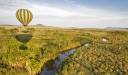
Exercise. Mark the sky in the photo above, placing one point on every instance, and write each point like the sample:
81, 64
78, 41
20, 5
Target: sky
68, 13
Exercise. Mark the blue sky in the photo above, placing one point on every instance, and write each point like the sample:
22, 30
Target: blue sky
69, 13
103, 4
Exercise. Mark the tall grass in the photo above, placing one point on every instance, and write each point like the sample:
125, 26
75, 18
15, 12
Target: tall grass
45, 44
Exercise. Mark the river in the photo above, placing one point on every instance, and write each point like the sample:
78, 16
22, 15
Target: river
47, 70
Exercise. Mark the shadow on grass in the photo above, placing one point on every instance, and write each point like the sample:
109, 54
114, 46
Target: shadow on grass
24, 39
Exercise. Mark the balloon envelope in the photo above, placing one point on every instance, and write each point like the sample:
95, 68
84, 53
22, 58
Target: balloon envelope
24, 16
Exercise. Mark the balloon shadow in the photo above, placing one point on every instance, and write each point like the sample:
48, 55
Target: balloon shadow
24, 39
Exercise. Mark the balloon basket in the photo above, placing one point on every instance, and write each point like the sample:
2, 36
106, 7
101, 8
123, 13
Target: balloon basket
23, 47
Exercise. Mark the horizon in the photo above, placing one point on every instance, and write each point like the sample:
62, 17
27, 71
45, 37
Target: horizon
64, 27
69, 13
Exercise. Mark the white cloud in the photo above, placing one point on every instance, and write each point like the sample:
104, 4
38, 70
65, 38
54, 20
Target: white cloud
50, 11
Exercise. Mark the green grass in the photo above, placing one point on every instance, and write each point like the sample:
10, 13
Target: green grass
23, 54
99, 58
26, 54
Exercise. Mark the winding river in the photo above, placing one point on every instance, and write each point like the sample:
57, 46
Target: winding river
52, 66
47, 70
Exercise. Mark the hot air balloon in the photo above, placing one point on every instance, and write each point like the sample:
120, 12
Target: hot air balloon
23, 35
24, 16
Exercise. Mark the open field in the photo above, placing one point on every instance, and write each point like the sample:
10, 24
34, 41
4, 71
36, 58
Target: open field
99, 57
25, 54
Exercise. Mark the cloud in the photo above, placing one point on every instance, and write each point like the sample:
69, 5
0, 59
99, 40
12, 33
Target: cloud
13, 4
50, 11
76, 16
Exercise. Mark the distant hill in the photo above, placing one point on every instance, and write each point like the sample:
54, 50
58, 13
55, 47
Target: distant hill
7, 25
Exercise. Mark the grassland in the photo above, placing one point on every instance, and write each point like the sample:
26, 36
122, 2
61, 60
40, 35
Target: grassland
109, 57
26, 54
23, 54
